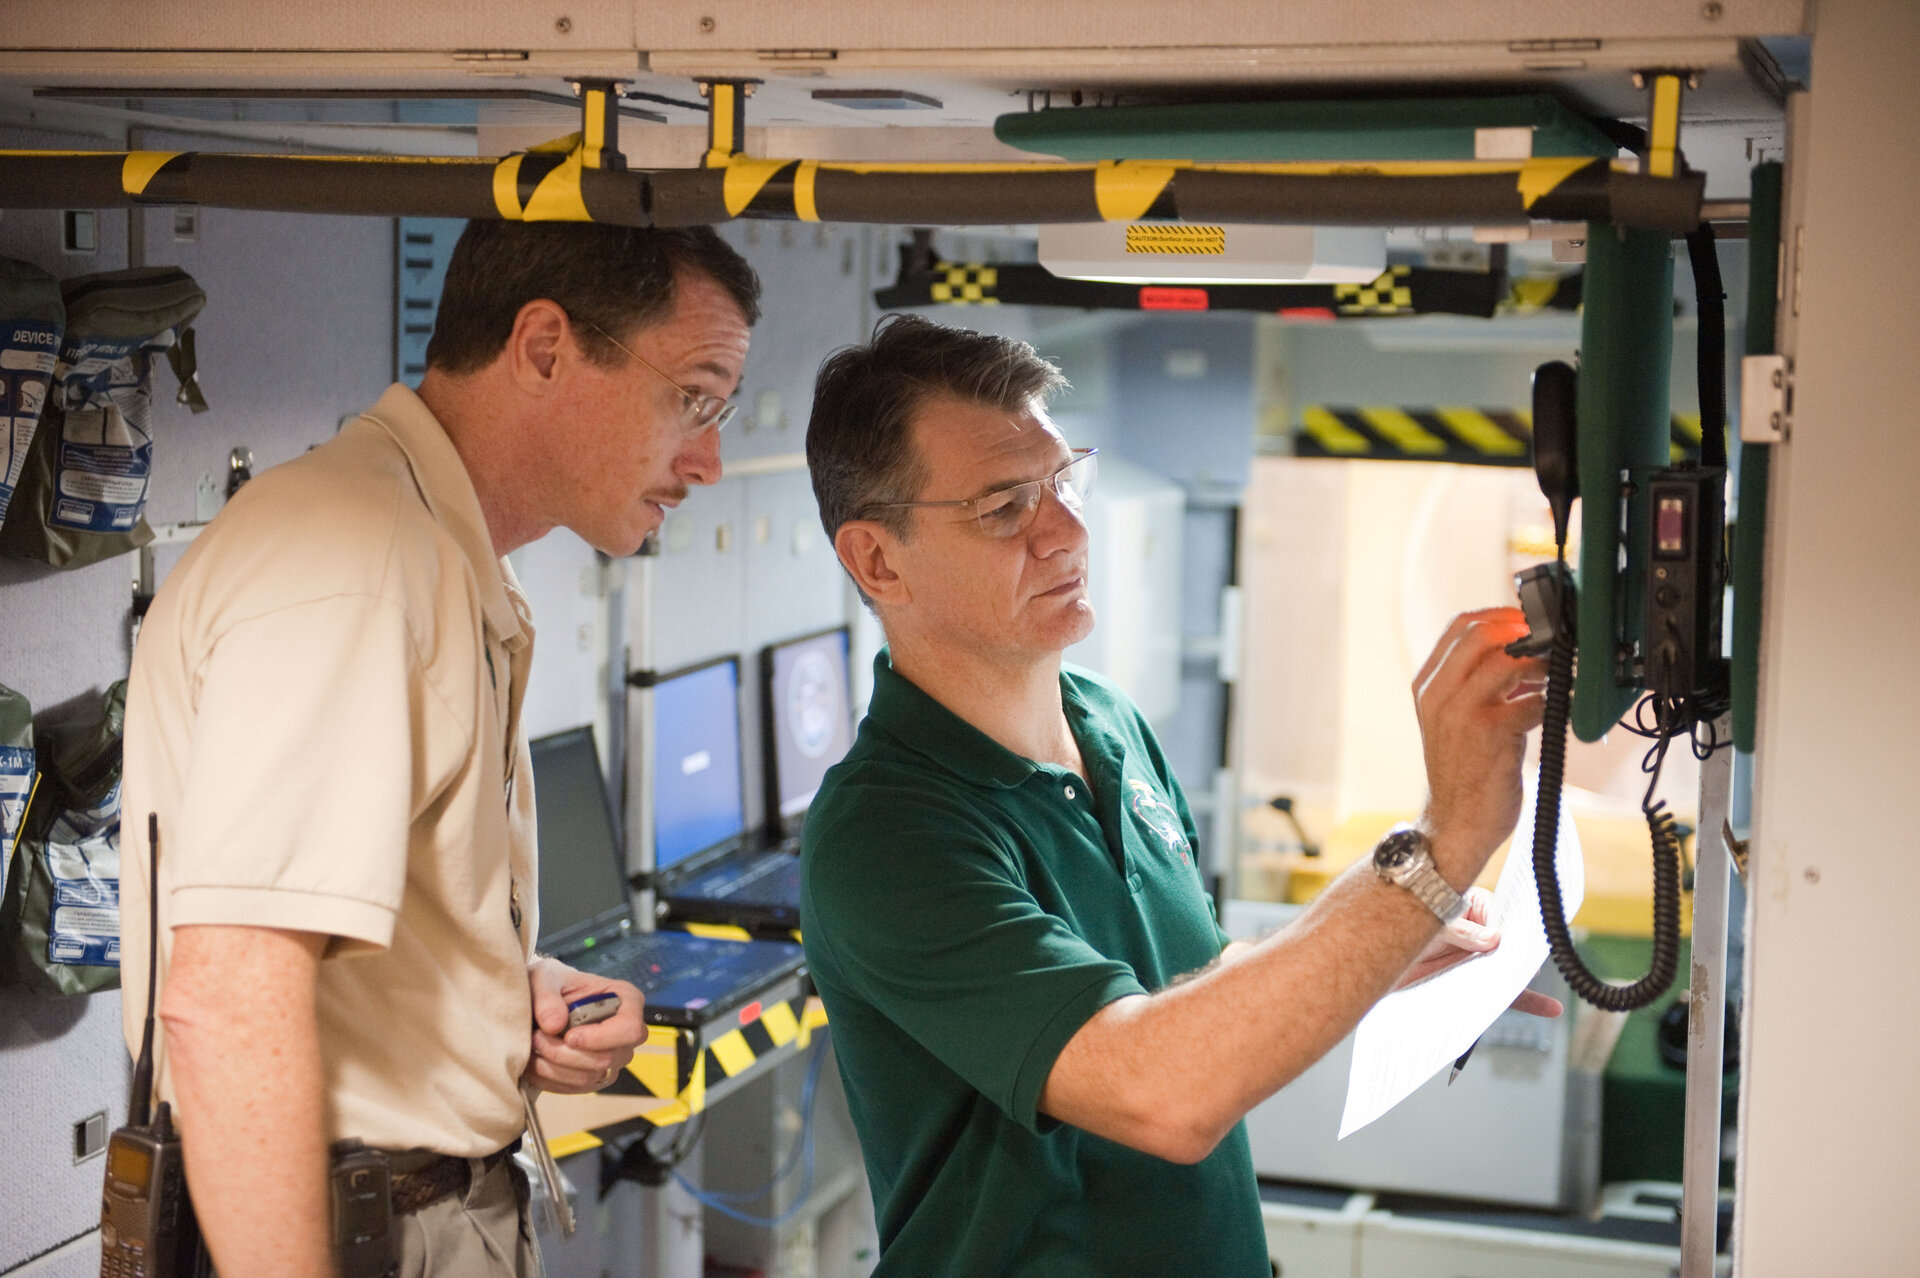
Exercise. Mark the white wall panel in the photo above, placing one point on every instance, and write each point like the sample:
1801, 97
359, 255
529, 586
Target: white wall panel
1829, 1112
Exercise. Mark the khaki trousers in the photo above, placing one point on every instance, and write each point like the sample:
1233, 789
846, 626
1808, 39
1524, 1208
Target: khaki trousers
485, 1231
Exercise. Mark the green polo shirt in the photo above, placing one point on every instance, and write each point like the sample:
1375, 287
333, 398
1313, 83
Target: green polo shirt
967, 910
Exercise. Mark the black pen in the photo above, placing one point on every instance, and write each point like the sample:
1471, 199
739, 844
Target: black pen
1462, 1062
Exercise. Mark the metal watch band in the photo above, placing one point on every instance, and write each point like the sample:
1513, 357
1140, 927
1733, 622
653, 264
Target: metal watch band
1404, 857
1434, 892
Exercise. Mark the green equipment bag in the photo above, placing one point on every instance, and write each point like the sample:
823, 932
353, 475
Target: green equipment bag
82, 497
16, 774
32, 318
60, 923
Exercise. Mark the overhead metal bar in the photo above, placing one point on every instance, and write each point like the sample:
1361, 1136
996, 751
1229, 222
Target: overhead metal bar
559, 185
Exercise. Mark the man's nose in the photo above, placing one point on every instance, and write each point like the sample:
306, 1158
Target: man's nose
1059, 525
698, 461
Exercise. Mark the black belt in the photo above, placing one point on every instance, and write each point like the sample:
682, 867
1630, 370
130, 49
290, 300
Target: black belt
437, 1176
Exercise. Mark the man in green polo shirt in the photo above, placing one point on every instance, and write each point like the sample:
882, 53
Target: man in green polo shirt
1046, 1041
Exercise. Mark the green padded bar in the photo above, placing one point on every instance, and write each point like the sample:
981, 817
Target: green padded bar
1626, 353
1756, 460
1394, 129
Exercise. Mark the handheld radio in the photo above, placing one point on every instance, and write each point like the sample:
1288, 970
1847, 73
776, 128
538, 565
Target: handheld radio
147, 1228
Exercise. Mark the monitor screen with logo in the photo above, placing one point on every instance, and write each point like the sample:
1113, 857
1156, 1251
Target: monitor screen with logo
696, 764
809, 717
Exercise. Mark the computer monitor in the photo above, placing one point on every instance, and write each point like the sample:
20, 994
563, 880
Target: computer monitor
809, 719
581, 885
697, 801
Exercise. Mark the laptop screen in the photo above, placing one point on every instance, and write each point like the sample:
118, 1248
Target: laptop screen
809, 716
697, 802
582, 888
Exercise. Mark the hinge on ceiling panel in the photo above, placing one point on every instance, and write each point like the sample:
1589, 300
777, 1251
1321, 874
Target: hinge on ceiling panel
489, 55
1766, 399
796, 55
1552, 46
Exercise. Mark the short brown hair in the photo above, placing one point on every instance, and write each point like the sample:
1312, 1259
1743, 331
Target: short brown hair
860, 442
615, 278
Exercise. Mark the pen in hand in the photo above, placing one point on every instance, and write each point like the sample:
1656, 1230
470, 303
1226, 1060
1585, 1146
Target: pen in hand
1462, 1062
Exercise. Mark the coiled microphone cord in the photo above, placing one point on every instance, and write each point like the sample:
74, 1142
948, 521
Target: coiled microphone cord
1546, 837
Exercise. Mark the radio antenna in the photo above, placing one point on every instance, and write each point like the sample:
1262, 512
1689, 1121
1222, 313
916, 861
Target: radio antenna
139, 1103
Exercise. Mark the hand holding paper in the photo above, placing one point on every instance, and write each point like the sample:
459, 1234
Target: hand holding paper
1413, 1032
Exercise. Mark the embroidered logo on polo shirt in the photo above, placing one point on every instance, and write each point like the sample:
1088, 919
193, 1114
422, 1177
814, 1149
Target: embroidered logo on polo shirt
1159, 817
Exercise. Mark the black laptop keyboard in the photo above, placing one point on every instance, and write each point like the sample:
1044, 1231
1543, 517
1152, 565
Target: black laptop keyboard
677, 970
775, 878
658, 957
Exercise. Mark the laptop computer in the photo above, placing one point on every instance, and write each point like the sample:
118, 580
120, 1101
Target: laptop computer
747, 881
586, 919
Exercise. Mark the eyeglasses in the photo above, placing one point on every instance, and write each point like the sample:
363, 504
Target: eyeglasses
697, 411
1007, 512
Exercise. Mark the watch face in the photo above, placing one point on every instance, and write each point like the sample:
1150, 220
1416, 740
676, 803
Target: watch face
1397, 850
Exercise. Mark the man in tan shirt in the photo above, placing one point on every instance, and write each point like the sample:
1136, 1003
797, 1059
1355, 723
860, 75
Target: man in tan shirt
324, 716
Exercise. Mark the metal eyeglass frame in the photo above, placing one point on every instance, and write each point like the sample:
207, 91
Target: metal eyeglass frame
1081, 456
698, 412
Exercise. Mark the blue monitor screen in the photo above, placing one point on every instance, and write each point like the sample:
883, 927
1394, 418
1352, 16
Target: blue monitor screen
811, 715
696, 767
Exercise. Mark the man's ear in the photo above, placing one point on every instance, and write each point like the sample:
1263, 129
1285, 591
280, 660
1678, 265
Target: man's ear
871, 556
542, 335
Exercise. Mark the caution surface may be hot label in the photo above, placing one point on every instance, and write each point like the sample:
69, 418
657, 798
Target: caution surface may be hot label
1168, 237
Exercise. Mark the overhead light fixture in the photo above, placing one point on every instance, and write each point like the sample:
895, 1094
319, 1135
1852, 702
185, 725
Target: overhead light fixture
1186, 253
877, 99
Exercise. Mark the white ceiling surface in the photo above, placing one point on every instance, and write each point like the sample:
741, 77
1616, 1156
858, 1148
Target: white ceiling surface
979, 60
728, 27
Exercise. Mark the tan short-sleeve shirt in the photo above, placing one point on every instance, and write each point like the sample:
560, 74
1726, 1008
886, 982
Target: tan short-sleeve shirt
324, 716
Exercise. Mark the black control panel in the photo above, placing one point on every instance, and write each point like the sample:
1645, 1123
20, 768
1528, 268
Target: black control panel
1687, 510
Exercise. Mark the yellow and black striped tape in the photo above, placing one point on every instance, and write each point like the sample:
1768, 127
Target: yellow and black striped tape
1449, 433
666, 1068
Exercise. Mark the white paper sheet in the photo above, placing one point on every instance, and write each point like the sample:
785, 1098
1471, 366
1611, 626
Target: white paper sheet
1411, 1033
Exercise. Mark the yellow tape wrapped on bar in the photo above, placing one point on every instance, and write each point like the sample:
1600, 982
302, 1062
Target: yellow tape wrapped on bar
506, 188
803, 182
558, 197
743, 181
139, 167
1124, 190
1539, 177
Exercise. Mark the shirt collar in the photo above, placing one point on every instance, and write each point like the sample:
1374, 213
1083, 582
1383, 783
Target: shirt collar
448, 491
930, 729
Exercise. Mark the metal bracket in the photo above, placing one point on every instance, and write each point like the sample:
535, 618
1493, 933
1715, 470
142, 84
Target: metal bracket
1766, 399
726, 118
1664, 90
600, 124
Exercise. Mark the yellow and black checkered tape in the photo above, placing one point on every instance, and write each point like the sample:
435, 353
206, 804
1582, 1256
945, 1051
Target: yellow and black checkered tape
1450, 433
965, 283
1389, 294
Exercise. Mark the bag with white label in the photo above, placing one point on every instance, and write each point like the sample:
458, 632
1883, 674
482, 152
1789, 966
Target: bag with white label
60, 924
16, 774
83, 495
32, 318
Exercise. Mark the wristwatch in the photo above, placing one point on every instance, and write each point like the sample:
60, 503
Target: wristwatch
1405, 857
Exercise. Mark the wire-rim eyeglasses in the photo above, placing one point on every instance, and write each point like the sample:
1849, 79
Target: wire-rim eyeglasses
1007, 512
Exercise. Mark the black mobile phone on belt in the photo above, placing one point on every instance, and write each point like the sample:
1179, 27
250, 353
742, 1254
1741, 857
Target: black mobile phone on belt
365, 1243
